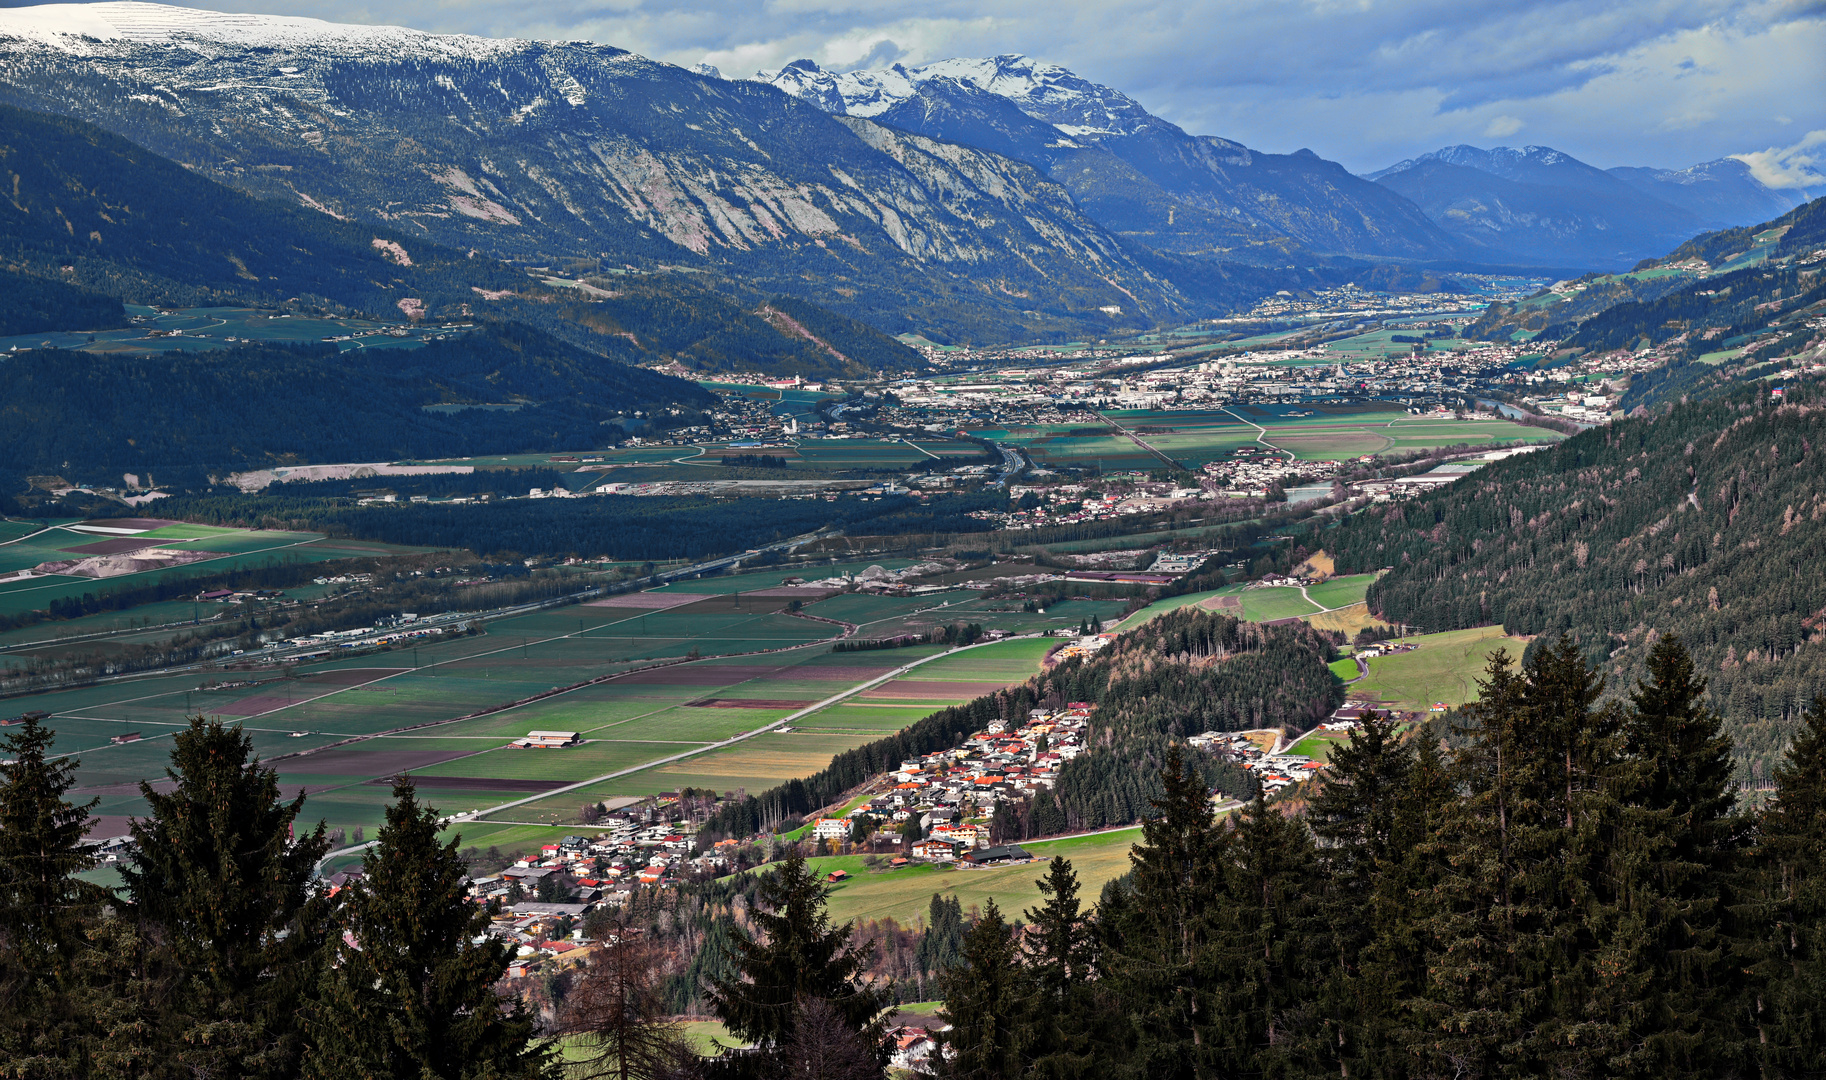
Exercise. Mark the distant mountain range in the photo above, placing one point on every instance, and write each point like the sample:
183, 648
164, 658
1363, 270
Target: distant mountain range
1538, 204
538, 151
1150, 181
989, 199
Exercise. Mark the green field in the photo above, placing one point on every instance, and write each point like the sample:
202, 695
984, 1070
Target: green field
1342, 591
1445, 668
905, 895
1309, 432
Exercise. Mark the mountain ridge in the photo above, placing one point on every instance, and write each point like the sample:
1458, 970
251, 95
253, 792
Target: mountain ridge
538, 151
1132, 171
1540, 203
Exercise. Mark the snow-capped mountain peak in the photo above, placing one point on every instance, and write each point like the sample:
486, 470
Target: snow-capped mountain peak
1044, 91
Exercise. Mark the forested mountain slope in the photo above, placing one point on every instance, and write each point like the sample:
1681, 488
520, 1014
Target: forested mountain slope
1708, 521
91, 217
1540, 205
1717, 290
178, 416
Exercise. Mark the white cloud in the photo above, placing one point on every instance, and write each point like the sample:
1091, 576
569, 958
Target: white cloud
1501, 127
1788, 166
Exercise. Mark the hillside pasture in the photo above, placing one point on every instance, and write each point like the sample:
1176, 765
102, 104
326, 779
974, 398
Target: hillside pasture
1445, 668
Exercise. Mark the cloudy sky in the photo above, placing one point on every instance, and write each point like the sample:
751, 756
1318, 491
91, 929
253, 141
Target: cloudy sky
1367, 82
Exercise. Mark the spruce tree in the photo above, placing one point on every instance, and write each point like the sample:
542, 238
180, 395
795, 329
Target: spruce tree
413, 997
987, 998
1157, 960
1374, 812
1057, 945
1262, 938
45, 908
942, 943
1059, 949
1672, 984
1792, 904
223, 891
1519, 933
798, 954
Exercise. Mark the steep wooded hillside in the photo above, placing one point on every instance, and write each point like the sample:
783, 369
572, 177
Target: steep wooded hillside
88, 208
1708, 521
178, 415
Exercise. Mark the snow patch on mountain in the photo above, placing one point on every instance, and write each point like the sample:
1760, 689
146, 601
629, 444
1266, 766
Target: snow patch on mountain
1044, 91
81, 28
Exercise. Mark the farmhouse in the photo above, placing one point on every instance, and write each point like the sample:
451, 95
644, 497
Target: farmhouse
548, 740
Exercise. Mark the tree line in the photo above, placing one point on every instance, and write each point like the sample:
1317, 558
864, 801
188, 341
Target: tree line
221, 955
1554, 885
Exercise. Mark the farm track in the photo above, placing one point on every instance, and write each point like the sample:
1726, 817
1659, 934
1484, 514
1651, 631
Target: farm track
1137, 440
1262, 437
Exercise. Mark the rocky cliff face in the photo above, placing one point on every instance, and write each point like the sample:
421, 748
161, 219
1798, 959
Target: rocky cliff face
540, 151
1131, 171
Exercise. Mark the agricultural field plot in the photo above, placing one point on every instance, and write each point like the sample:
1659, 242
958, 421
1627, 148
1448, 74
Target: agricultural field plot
771, 758
862, 718
1262, 604
1445, 668
1349, 620
1319, 745
1189, 437
1378, 344
1052, 445
567, 766
17, 530
655, 714
1173, 603
1321, 432
1341, 591
906, 894
174, 612
967, 674
18, 596
865, 609
753, 764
